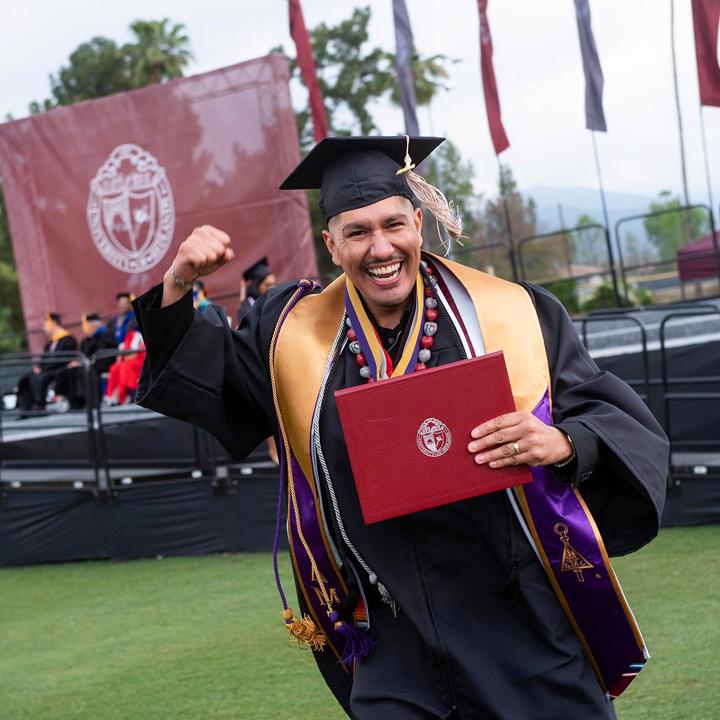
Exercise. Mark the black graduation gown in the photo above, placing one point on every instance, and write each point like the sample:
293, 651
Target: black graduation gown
479, 628
32, 388
75, 387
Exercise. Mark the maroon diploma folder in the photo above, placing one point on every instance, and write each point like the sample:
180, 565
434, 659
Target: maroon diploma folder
407, 437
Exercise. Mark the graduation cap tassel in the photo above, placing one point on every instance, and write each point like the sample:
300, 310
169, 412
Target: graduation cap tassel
436, 202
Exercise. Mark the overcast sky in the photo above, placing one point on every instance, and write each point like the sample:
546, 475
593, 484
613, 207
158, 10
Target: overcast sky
537, 65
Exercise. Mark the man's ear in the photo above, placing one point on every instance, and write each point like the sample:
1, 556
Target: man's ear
331, 246
418, 220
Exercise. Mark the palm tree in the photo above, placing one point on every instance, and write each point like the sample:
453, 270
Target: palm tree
160, 53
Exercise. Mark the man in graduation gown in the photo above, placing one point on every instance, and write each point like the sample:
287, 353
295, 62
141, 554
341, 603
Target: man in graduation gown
499, 607
258, 279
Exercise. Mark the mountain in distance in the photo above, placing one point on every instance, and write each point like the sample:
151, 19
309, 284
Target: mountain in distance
571, 203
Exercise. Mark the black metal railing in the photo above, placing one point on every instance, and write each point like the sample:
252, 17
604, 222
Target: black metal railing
106, 463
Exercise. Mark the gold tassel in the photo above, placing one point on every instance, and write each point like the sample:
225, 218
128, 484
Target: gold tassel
304, 631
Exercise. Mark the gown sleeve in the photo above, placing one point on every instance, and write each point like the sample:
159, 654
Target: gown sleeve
199, 370
622, 452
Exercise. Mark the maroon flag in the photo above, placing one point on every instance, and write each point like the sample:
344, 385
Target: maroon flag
307, 70
706, 15
492, 103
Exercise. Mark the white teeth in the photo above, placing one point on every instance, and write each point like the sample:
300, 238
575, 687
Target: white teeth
386, 271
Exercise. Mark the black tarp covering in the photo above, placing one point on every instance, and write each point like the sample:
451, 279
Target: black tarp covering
184, 517
169, 518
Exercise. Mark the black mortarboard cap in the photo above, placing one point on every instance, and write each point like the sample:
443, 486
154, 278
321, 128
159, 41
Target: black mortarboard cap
93, 317
353, 172
258, 272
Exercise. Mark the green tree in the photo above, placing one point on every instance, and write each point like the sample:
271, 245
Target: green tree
99, 67
352, 76
505, 220
96, 68
454, 176
589, 246
673, 227
160, 52
11, 317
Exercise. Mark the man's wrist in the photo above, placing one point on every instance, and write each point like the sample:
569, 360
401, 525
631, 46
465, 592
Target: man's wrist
179, 281
571, 457
172, 290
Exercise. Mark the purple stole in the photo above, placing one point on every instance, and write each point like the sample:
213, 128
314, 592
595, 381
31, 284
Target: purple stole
553, 514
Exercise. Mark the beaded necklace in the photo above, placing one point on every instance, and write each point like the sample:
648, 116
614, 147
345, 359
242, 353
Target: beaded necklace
412, 358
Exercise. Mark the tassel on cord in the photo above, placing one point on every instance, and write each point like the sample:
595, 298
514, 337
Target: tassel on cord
358, 643
304, 631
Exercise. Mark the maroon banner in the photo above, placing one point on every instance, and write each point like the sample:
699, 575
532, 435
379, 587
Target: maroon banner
306, 63
100, 194
706, 15
492, 102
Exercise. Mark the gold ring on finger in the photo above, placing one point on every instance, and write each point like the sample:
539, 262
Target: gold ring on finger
516, 448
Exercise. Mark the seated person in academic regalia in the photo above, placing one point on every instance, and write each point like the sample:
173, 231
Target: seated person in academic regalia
97, 338
124, 373
125, 318
504, 606
258, 279
33, 388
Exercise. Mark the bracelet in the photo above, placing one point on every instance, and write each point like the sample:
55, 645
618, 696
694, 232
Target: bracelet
182, 284
573, 455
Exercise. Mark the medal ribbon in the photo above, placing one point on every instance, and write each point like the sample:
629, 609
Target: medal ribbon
377, 359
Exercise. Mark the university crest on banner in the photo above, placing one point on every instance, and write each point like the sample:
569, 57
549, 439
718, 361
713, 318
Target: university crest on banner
130, 210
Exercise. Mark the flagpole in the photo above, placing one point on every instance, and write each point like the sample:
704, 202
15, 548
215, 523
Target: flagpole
600, 181
677, 102
606, 217
508, 225
707, 163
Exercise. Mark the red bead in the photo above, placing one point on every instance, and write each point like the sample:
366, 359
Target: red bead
426, 341
360, 359
429, 271
351, 335
431, 314
420, 366
428, 292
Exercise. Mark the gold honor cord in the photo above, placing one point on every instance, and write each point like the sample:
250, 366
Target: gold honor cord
304, 630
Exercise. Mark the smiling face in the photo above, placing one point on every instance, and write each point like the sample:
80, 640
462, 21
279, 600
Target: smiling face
378, 248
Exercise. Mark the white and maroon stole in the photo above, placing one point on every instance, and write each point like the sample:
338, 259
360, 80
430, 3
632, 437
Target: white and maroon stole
490, 314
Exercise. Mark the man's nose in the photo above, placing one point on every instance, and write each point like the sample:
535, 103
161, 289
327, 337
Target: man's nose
381, 245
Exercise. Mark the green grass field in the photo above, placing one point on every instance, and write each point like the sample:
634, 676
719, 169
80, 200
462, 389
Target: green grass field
202, 639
